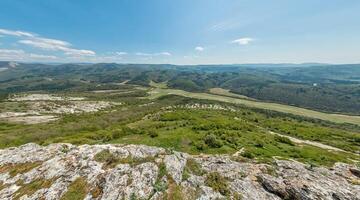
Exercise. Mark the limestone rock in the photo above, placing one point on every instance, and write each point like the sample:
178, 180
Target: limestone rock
48, 172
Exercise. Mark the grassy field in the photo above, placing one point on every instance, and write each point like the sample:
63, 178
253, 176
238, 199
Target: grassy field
337, 118
213, 131
223, 92
172, 121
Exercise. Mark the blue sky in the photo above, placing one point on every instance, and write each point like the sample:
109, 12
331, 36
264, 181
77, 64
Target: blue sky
180, 31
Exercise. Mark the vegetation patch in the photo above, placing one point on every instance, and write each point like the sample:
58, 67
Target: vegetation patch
192, 167
110, 160
174, 191
217, 183
30, 188
20, 168
284, 140
77, 190
160, 185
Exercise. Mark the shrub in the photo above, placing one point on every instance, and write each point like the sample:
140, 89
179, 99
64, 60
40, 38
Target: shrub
247, 154
193, 167
212, 141
199, 145
284, 140
217, 183
153, 134
259, 144
107, 158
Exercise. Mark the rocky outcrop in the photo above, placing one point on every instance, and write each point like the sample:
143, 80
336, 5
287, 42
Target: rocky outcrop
141, 172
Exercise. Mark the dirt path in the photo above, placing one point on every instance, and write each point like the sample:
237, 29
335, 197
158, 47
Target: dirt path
316, 144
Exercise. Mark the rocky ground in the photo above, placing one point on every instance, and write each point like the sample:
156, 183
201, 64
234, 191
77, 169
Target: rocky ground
64, 171
44, 108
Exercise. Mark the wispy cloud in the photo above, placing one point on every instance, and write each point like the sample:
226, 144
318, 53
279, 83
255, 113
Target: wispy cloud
40, 56
16, 33
199, 48
243, 41
121, 53
56, 45
165, 53
43, 43
19, 54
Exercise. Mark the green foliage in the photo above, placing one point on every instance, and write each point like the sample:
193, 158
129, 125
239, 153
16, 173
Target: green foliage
107, 158
217, 183
212, 141
284, 140
192, 167
247, 154
110, 160
77, 190
30, 188
153, 134
19, 168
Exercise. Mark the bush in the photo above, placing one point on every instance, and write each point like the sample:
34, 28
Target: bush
247, 154
153, 134
284, 140
217, 183
107, 158
259, 144
200, 145
116, 134
212, 141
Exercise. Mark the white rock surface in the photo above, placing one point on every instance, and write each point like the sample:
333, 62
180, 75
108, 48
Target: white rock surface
61, 164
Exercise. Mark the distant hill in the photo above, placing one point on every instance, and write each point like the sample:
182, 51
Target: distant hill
332, 88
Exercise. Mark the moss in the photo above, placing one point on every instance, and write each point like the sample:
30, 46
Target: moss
30, 188
21, 168
217, 183
77, 190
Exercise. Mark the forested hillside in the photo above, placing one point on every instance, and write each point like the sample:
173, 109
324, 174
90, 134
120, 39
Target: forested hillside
331, 88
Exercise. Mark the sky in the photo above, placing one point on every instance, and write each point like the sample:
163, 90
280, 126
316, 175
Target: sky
180, 31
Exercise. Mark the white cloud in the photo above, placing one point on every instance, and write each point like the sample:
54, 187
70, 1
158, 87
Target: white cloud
39, 56
242, 41
19, 54
153, 54
199, 48
11, 51
121, 53
165, 54
16, 33
36, 41
56, 45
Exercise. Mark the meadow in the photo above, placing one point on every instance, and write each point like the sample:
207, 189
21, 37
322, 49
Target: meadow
191, 125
